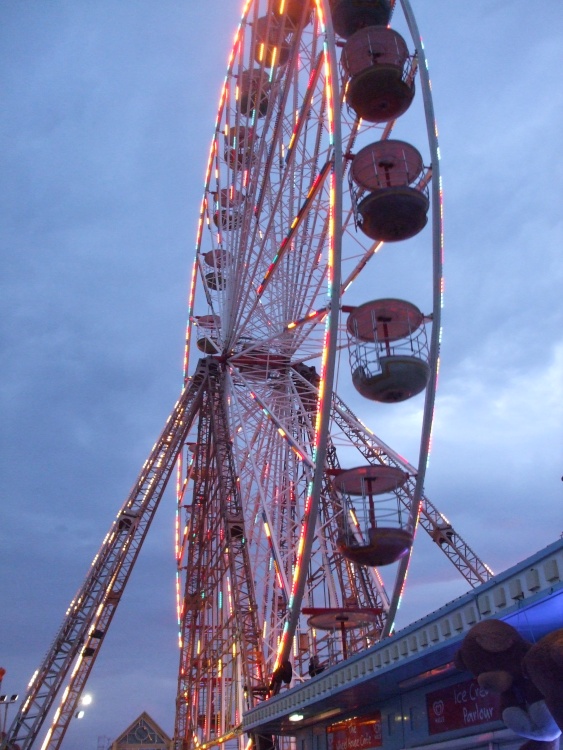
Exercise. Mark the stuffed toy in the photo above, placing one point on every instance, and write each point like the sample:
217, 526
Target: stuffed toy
543, 665
528, 678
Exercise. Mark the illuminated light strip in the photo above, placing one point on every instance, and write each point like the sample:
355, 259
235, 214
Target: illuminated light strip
328, 84
230, 597
73, 673
191, 300
47, 737
303, 211
278, 572
284, 646
307, 318
375, 248
179, 496
177, 520
437, 288
273, 63
30, 684
354, 517
59, 710
441, 303
221, 740
181, 484
378, 576
300, 118
277, 568
179, 608
390, 627
212, 152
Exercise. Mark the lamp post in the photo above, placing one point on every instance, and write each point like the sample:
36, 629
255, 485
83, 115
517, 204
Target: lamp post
5, 701
85, 701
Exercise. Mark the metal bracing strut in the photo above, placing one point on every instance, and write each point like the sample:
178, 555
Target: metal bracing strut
471, 567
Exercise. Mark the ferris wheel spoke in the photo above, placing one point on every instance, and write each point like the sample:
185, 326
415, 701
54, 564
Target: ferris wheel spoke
355, 272
272, 409
293, 280
283, 481
295, 226
254, 476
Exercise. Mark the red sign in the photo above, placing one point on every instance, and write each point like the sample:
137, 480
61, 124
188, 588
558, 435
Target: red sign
356, 734
459, 706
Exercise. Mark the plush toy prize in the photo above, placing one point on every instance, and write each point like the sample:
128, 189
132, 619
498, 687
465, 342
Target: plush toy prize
529, 678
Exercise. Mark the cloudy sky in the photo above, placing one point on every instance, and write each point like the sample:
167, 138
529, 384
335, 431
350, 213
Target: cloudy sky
107, 111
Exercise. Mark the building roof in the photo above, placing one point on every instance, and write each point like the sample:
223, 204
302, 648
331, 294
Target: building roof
142, 734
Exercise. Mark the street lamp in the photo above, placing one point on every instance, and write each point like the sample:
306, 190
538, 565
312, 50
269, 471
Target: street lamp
85, 701
5, 701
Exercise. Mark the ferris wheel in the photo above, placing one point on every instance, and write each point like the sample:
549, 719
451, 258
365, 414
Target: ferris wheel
295, 522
